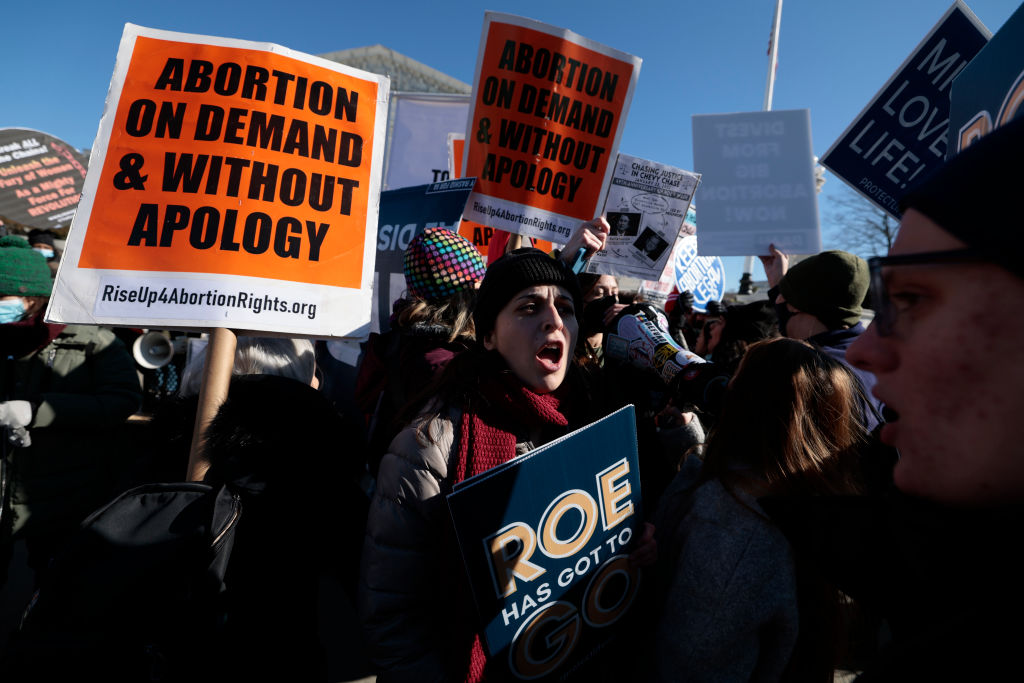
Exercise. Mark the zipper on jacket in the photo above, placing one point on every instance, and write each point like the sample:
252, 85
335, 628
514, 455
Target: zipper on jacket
235, 514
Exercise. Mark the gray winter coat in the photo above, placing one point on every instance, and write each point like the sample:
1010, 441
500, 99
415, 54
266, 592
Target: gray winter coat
401, 601
730, 614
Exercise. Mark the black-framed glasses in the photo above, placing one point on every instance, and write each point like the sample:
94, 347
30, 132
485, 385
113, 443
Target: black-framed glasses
885, 312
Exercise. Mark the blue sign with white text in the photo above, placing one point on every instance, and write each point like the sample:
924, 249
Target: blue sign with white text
545, 539
702, 276
990, 91
901, 135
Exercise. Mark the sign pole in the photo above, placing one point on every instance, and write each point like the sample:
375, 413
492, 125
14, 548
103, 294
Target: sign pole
220, 361
769, 92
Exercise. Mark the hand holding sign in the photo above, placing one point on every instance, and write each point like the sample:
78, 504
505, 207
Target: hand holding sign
775, 265
590, 236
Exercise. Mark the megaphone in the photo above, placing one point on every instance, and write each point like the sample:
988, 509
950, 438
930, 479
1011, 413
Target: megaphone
638, 338
153, 350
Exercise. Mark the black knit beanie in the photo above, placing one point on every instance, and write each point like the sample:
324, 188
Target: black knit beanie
38, 236
976, 196
514, 272
831, 286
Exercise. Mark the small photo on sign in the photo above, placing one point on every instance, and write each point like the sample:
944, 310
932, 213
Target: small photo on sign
623, 224
650, 244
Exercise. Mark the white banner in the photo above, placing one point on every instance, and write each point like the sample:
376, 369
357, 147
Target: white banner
757, 183
418, 144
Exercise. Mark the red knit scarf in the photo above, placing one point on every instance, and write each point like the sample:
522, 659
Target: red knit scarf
487, 438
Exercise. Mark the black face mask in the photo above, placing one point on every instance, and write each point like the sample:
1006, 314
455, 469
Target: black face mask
593, 314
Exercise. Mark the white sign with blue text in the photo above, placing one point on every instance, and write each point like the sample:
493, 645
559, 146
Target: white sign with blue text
757, 183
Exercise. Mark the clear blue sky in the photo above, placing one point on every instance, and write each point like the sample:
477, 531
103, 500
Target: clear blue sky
699, 57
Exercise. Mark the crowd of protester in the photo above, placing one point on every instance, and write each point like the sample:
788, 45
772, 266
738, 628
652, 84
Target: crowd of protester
818, 495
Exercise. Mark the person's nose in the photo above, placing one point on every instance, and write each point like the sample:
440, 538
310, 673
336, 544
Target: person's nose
552, 319
873, 353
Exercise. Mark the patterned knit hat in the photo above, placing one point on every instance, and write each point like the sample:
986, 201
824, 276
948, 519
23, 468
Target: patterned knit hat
439, 263
23, 272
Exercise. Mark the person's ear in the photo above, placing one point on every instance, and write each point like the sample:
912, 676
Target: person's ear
489, 341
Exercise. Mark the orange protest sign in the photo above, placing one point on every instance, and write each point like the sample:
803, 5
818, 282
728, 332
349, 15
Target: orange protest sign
184, 190
219, 161
479, 235
547, 115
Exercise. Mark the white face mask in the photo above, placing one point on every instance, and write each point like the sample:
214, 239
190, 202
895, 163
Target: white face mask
11, 311
47, 253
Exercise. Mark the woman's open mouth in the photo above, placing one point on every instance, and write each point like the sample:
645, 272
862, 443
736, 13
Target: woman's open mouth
888, 432
550, 356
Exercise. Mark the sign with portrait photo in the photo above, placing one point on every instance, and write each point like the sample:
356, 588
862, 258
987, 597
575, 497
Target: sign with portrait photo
646, 206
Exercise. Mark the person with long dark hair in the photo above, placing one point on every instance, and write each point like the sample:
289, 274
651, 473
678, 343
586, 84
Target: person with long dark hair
734, 604
431, 324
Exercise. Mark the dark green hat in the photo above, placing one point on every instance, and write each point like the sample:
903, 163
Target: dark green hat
831, 286
23, 271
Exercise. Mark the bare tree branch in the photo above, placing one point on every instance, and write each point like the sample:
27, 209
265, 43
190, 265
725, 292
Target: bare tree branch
859, 226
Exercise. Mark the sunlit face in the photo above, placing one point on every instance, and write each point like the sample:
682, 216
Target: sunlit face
952, 371
606, 285
535, 333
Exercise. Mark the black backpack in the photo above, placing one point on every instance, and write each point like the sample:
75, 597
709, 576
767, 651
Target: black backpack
137, 594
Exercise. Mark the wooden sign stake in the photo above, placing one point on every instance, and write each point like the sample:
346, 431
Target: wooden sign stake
217, 368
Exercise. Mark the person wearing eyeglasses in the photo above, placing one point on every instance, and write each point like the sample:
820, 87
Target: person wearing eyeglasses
955, 389
939, 558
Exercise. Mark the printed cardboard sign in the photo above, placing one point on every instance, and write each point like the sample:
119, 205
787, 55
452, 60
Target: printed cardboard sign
232, 184
757, 183
545, 539
659, 292
702, 276
41, 179
902, 132
645, 208
548, 111
479, 235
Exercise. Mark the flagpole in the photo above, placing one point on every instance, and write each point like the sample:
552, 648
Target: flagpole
773, 57
769, 92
